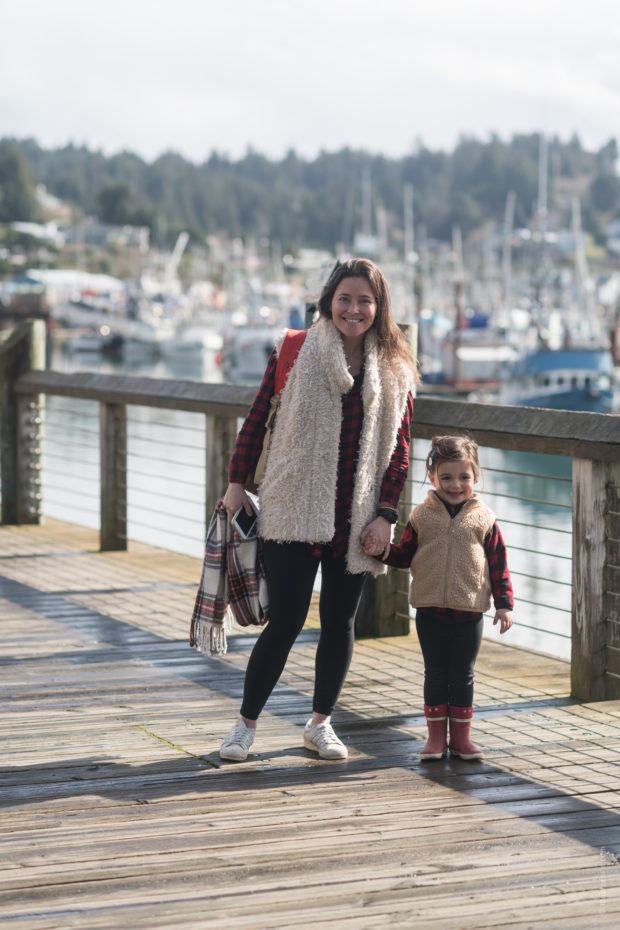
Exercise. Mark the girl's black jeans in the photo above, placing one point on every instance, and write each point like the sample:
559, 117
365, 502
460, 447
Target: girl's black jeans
450, 651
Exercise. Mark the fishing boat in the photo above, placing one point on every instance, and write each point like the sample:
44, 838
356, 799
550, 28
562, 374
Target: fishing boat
563, 379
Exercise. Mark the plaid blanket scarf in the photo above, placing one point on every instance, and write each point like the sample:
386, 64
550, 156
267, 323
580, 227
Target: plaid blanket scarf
232, 586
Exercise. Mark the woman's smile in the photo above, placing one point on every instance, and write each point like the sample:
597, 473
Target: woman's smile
353, 307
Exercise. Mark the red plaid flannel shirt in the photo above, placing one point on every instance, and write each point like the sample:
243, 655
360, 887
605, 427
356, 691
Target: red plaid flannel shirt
402, 554
250, 442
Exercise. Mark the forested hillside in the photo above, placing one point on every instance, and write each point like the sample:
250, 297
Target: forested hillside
315, 202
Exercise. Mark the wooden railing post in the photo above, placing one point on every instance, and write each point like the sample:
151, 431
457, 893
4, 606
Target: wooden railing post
595, 656
384, 608
221, 433
611, 582
113, 471
22, 352
30, 435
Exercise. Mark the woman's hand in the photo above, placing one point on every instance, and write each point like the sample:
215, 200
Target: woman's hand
235, 498
377, 535
504, 616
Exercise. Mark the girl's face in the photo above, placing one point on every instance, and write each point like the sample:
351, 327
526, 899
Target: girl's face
353, 308
453, 481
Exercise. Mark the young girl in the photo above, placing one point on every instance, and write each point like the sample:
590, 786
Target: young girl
458, 563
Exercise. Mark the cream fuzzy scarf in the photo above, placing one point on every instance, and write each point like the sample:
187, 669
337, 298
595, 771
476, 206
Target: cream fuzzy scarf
298, 491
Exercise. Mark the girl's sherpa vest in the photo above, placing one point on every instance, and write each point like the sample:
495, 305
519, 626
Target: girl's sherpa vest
450, 567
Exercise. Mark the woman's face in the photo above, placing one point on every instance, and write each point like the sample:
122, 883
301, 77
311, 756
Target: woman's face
353, 308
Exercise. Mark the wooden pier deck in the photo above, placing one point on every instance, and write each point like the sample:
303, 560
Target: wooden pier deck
116, 811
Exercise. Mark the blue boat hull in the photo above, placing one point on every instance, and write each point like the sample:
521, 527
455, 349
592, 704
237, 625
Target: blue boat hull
570, 400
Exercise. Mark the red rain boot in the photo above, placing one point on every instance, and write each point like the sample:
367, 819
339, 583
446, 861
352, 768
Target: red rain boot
437, 723
460, 743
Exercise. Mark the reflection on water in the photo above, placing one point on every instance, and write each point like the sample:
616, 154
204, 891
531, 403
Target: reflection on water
530, 493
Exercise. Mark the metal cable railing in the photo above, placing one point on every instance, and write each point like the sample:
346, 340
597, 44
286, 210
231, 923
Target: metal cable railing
170, 511
70, 472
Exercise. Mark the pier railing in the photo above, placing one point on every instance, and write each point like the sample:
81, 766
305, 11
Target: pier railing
591, 441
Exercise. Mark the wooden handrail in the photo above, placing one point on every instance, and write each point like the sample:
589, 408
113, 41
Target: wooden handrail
553, 432
194, 396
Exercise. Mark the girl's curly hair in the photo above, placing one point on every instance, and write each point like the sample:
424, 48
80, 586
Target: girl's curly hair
453, 449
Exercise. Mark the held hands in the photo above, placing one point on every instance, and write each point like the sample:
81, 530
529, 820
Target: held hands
370, 544
375, 538
504, 616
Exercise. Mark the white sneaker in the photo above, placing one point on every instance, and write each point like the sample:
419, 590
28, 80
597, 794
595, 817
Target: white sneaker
323, 740
237, 744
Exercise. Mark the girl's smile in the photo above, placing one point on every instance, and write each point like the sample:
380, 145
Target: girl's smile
453, 481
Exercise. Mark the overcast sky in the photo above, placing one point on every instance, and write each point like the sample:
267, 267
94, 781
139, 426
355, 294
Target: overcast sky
194, 77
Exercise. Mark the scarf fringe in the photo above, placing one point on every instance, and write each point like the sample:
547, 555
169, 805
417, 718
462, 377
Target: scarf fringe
209, 637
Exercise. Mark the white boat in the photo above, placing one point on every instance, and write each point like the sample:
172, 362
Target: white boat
481, 361
99, 341
246, 351
192, 342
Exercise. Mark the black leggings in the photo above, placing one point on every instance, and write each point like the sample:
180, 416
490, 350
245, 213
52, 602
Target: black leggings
450, 651
291, 569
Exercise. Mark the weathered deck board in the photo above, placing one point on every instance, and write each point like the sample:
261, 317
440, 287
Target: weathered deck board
118, 813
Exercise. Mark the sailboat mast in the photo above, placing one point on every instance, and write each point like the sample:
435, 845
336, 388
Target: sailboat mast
509, 214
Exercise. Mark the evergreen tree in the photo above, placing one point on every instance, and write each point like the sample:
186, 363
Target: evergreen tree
315, 202
17, 185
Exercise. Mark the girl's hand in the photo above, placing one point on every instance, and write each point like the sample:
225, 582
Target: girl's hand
235, 498
370, 544
504, 616
381, 532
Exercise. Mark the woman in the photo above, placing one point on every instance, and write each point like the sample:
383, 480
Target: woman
337, 462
